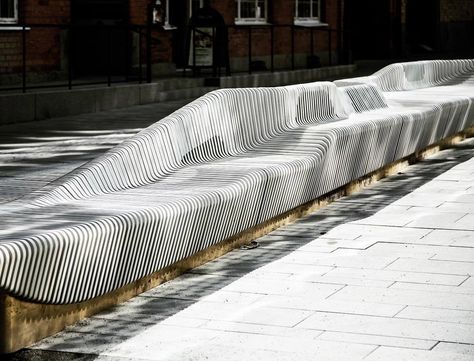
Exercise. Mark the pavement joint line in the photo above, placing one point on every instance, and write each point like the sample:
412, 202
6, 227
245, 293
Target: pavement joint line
304, 319
427, 228
419, 244
469, 276
401, 310
466, 214
449, 260
371, 352
389, 286
387, 318
436, 273
431, 320
457, 343
432, 284
325, 273
333, 293
391, 262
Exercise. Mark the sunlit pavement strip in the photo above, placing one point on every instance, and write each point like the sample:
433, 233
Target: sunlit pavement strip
384, 274
34, 154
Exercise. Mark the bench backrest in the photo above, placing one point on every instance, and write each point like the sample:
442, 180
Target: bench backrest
415, 75
219, 124
363, 97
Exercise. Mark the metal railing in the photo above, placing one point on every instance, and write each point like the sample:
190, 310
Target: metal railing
270, 30
148, 41
143, 52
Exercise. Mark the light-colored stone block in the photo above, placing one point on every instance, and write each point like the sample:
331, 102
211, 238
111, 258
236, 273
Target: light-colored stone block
437, 314
402, 354
433, 266
405, 276
405, 297
457, 348
431, 288
330, 305
384, 326
377, 340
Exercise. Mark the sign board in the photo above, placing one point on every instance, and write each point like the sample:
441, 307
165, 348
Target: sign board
207, 44
201, 52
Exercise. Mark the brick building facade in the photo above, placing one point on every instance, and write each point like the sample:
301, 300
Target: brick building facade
359, 30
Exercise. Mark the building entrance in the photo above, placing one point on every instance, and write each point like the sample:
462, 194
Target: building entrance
96, 49
373, 28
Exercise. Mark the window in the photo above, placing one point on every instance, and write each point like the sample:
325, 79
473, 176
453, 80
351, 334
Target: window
8, 11
161, 14
307, 12
251, 11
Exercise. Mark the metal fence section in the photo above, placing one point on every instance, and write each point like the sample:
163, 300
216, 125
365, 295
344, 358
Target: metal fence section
141, 42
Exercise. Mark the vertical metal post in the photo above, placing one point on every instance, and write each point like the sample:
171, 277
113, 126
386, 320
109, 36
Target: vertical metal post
250, 48
340, 50
272, 48
194, 51
140, 57
221, 59
148, 51
312, 42
23, 65
109, 54
215, 57
129, 36
292, 47
69, 60
329, 47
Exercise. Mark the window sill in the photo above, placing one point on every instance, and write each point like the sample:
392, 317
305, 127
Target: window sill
169, 27
310, 23
12, 28
251, 22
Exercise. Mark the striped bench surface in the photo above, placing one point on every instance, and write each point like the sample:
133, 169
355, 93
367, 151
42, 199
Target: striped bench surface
228, 161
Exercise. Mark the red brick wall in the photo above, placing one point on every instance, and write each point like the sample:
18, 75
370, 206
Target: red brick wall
226, 8
281, 12
43, 44
10, 52
138, 10
46, 11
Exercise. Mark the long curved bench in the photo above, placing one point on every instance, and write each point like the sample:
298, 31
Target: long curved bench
226, 162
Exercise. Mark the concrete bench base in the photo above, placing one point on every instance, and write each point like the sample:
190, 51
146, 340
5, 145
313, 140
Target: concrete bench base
23, 323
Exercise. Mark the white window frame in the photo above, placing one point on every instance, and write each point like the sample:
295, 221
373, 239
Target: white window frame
239, 20
312, 20
166, 25
14, 19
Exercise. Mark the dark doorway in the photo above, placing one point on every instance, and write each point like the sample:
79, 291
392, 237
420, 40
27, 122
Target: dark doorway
97, 48
422, 22
372, 28
179, 17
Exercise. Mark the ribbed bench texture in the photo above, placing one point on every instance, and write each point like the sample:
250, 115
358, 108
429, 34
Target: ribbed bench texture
226, 162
